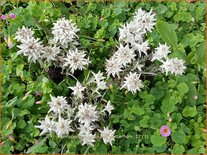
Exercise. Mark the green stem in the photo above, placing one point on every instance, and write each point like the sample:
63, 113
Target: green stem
86, 151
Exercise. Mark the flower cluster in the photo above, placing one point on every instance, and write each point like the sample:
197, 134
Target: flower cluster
131, 60
84, 113
61, 50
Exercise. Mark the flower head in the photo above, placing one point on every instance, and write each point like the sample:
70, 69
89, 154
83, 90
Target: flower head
161, 52
24, 34
165, 131
3, 17
12, 15
31, 48
63, 127
113, 67
46, 126
174, 66
107, 135
76, 60
50, 53
64, 32
87, 114
77, 90
99, 79
125, 55
133, 83
58, 104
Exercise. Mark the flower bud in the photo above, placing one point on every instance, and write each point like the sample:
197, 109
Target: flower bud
12, 15
3, 17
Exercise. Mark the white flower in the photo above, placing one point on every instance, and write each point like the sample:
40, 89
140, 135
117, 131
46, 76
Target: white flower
99, 79
178, 66
131, 33
58, 104
47, 125
107, 135
113, 67
50, 53
75, 60
64, 32
141, 47
174, 65
87, 114
31, 48
87, 138
125, 55
146, 19
24, 34
108, 107
77, 90
63, 127
132, 83
86, 128
161, 52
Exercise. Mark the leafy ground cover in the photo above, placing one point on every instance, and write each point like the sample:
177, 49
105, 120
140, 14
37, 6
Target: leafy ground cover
177, 102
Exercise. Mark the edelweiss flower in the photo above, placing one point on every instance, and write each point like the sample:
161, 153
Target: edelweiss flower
125, 55
146, 19
107, 135
131, 33
64, 32
108, 107
141, 47
75, 60
175, 66
99, 79
47, 125
113, 67
31, 48
87, 138
87, 114
50, 53
58, 104
63, 127
85, 134
161, 52
24, 34
77, 90
132, 83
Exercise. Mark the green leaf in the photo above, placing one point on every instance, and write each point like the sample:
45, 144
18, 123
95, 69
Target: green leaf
29, 102
178, 149
183, 88
167, 33
144, 122
158, 140
200, 54
189, 111
179, 137
37, 147
19, 70
21, 124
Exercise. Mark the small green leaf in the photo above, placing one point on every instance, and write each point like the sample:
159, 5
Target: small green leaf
19, 70
189, 111
167, 33
158, 140
179, 137
21, 124
178, 149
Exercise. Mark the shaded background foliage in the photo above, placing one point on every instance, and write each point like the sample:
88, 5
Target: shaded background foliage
178, 101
